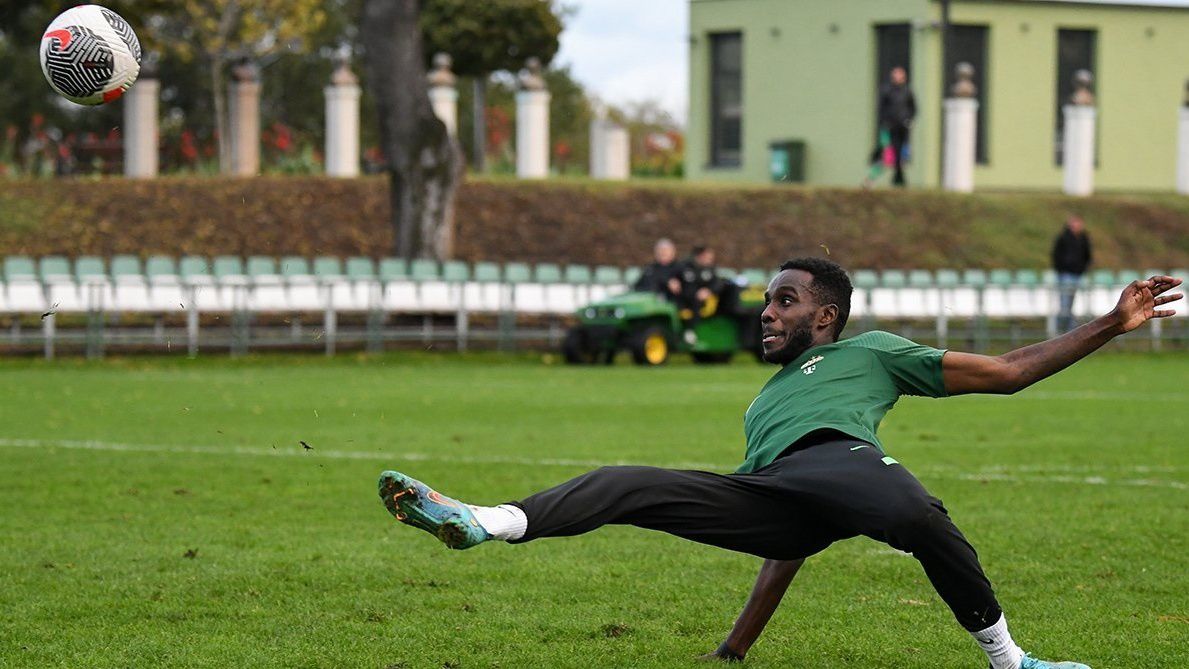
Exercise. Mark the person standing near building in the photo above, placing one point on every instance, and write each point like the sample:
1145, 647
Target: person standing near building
897, 109
1071, 259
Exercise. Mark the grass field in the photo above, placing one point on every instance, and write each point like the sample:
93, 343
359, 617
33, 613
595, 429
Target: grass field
163, 513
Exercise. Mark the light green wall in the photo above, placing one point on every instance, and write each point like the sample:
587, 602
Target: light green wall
800, 81
803, 80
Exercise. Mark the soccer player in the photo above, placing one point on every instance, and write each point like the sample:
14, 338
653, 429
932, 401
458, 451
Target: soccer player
814, 471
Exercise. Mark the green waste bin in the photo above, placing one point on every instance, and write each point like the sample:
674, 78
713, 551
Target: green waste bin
786, 161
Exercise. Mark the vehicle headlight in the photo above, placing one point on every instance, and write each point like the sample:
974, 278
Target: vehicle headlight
591, 312
620, 313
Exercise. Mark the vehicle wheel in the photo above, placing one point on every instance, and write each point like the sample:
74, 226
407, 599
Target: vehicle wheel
576, 349
712, 358
650, 346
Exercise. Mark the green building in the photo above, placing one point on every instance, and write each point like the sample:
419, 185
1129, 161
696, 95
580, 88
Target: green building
803, 75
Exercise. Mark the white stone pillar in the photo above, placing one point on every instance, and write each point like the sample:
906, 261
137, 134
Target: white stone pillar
140, 128
1079, 149
610, 151
1183, 152
244, 105
1078, 141
443, 93
532, 124
342, 123
961, 132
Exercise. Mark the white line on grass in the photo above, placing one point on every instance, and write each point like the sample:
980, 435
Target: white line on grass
999, 473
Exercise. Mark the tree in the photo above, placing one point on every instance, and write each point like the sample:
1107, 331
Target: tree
489, 36
221, 32
424, 163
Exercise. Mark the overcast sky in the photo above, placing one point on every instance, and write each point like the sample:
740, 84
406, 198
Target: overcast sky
629, 50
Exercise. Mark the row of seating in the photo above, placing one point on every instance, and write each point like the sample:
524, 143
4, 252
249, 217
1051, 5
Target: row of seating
86, 268
264, 284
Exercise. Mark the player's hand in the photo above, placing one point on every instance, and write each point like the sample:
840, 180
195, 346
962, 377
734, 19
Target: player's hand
1139, 301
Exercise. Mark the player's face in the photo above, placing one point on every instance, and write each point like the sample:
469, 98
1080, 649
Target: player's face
787, 321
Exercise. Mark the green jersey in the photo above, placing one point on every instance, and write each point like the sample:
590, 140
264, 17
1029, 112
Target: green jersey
846, 386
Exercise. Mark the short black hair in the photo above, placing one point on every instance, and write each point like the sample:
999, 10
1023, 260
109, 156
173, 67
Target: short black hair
830, 285
699, 250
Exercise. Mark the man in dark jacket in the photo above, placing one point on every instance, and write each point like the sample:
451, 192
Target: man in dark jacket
662, 275
897, 109
1071, 258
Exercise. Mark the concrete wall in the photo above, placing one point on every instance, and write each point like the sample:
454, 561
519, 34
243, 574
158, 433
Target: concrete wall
809, 67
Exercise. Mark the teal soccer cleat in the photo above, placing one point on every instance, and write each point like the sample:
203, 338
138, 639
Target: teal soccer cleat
413, 503
1030, 662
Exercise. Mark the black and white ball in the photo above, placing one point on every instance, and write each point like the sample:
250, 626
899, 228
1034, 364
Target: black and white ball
90, 55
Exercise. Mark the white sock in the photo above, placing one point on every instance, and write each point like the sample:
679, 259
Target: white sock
997, 643
504, 522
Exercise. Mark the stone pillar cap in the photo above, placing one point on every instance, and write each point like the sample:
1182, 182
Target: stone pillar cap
245, 71
963, 82
530, 77
441, 75
342, 75
1082, 95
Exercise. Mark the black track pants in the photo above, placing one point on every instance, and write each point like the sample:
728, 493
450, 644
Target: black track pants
790, 509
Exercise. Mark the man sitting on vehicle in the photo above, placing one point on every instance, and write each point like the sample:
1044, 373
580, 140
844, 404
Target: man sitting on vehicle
661, 276
699, 289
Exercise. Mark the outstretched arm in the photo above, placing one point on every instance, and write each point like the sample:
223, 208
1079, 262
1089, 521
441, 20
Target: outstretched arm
770, 587
1018, 369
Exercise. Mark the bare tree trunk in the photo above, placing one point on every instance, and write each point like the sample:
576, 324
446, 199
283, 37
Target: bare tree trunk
424, 162
479, 116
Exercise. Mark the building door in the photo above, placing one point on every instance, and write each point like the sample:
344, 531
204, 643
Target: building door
893, 48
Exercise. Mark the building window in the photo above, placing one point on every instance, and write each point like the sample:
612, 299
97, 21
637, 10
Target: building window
968, 44
893, 48
1076, 50
726, 99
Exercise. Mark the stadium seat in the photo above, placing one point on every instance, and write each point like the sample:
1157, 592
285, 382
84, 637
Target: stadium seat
975, 278
486, 272
1126, 276
547, 273
54, 268
578, 274
1102, 277
267, 287
608, 275
130, 289
62, 292
392, 269
89, 267
295, 266
455, 271
359, 268
757, 276
22, 290
125, 266
262, 266
159, 266
328, 267
516, 272
166, 293
424, 270
865, 278
484, 292
893, 278
631, 275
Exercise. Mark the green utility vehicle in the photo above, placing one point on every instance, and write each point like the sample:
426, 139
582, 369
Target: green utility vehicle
651, 327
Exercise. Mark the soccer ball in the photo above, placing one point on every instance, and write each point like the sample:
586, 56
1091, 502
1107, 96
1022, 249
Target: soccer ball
90, 55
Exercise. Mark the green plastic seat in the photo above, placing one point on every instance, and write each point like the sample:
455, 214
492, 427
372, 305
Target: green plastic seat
229, 266
53, 266
392, 269
262, 266
327, 266
893, 278
160, 266
295, 266
578, 274
1027, 277
608, 275
756, 276
1128, 275
865, 278
359, 267
1156, 272
517, 272
194, 267
1182, 273
89, 267
19, 267
726, 273
455, 271
125, 265
921, 278
424, 270
487, 272
631, 275
1103, 277
1048, 277
948, 278
1000, 277
976, 278
547, 272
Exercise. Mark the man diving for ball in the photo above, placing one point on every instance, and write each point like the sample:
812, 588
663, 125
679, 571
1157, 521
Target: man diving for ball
814, 471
